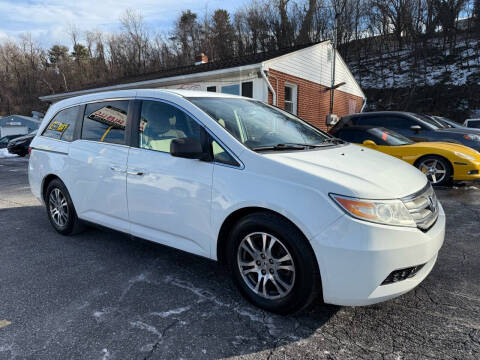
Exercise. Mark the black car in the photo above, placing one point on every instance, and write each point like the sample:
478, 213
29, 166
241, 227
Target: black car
414, 126
19, 145
4, 140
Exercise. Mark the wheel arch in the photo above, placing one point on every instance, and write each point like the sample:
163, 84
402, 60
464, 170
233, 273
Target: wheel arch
47, 180
235, 216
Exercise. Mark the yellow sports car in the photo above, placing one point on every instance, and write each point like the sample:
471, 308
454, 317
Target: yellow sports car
439, 161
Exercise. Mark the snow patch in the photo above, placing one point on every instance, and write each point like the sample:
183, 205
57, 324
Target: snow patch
5, 154
151, 329
176, 311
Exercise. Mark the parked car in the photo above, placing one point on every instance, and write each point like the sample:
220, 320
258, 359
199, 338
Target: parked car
19, 145
416, 127
4, 140
439, 161
292, 212
472, 123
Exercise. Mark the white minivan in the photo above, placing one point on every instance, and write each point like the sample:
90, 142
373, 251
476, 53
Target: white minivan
293, 213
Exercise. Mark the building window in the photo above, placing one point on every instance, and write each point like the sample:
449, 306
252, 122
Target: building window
211, 88
231, 89
247, 89
291, 98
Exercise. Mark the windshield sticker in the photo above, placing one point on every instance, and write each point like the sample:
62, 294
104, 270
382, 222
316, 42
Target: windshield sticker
110, 116
58, 126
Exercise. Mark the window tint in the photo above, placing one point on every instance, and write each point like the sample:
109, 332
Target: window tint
387, 121
160, 123
105, 122
247, 89
62, 126
220, 155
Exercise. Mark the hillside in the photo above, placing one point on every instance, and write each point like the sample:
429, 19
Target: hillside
431, 78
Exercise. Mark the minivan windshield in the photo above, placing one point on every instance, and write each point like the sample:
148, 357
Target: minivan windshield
262, 127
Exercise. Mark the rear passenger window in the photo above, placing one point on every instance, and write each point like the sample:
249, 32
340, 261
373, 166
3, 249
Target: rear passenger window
62, 126
105, 122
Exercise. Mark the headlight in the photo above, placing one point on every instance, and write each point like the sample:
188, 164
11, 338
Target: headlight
464, 156
388, 212
472, 137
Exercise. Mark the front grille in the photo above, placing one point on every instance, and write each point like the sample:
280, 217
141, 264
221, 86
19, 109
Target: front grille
402, 274
423, 206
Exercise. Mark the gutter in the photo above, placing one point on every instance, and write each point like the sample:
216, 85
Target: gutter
274, 94
364, 104
173, 80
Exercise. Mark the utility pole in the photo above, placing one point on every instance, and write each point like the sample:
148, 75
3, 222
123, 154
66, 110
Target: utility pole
334, 52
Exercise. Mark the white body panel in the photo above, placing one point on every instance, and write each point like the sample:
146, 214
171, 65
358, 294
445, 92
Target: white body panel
170, 202
97, 177
183, 202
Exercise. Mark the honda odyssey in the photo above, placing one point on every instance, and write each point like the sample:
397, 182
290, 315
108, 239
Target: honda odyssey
292, 212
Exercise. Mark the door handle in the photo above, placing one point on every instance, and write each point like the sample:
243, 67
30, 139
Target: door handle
117, 169
135, 172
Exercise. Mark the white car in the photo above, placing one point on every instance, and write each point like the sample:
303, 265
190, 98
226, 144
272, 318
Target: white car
292, 212
472, 123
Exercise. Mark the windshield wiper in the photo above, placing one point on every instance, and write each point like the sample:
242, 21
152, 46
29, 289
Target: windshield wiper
287, 146
334, 140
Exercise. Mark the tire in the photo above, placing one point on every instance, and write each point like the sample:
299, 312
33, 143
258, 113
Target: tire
441, 175
299, 278
65, 221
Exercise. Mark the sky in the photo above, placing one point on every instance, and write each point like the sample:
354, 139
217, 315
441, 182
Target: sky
48, 21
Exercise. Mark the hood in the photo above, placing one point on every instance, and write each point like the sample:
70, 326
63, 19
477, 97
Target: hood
353, 170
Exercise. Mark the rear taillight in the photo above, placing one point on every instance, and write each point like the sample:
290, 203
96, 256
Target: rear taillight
29, 150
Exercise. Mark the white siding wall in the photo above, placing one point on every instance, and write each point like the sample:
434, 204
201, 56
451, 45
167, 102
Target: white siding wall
259, 85
315, 64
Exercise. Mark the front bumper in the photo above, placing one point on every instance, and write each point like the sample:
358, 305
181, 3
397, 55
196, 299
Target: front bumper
466, 170
355, 257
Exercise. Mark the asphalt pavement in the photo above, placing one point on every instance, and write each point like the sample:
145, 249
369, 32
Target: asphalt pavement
103, 295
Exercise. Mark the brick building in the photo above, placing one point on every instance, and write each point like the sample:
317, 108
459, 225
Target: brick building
297, 79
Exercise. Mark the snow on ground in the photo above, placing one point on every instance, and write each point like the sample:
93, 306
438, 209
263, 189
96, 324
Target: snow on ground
4, 154
393, 69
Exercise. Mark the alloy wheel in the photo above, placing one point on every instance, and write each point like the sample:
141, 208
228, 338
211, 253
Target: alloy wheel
434, 170
58, 206
266, 265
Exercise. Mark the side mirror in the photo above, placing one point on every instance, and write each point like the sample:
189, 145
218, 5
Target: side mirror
369, 143
416, 128
188, 148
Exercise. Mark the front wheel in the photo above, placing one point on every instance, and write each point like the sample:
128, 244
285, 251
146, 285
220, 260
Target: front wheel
272, 263
437, 169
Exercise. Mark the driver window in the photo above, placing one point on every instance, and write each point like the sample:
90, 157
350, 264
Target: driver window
160, 123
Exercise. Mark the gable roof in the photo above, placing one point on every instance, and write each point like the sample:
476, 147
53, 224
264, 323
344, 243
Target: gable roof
222, 64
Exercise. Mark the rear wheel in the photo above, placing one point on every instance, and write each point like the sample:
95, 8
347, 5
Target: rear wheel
436, 168
60, 209
272, 263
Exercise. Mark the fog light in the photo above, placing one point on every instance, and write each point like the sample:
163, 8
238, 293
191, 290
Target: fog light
402, 274
473, 172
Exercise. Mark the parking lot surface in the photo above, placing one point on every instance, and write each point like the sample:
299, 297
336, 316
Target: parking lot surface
103, 295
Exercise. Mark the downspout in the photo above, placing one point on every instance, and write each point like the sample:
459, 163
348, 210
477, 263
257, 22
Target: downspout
274, 94
364, 104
